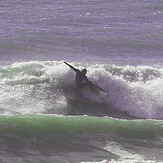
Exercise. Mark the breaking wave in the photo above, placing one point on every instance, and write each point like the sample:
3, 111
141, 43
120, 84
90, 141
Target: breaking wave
48, 87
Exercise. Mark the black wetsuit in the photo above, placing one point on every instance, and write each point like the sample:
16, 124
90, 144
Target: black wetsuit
80, 79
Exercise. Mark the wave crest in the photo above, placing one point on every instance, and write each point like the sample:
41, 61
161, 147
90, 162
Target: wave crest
44, 86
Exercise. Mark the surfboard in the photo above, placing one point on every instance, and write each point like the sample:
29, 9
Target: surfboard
97, 90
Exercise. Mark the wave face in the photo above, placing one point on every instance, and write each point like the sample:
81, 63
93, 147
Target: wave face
48, 87
33, 135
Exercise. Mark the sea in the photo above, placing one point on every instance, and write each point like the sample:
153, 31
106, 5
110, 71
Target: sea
44, 117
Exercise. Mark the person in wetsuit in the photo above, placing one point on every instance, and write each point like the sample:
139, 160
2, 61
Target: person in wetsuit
81, 79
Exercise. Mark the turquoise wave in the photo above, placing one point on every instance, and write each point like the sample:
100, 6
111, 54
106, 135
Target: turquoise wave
45, 125
51, 135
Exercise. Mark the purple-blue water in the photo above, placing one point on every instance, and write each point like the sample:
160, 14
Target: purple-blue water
44, 117
97, 31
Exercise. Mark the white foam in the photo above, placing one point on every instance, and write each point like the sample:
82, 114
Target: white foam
135, 90
123, 161
118, 150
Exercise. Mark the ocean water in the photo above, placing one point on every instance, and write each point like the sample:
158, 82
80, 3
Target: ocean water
44, 118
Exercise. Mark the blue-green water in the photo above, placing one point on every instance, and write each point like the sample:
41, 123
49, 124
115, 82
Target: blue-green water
39, 136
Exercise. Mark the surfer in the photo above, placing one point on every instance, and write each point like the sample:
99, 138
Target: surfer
81, 79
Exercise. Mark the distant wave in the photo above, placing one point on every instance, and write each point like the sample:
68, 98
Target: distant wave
41, 87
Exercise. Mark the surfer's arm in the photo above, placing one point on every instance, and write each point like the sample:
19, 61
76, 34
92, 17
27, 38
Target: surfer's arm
86, 79
71, 66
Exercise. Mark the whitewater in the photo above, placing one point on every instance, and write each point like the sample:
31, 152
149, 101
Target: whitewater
48, 87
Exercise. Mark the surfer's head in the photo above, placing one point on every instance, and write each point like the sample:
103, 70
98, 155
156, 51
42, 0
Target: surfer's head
84, 71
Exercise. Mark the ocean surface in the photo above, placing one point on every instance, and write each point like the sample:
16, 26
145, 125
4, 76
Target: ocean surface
44, 118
